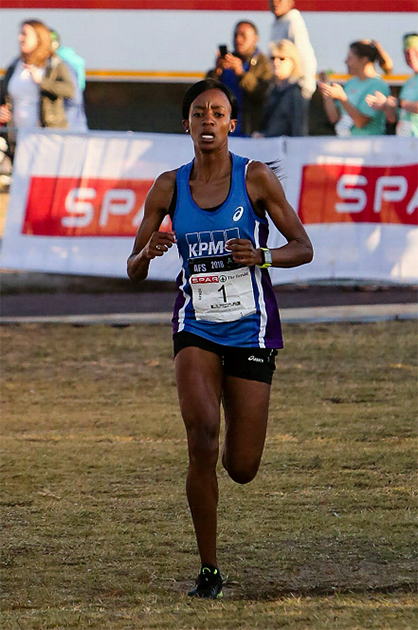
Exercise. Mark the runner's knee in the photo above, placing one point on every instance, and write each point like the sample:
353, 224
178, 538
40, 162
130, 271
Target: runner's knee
241, 473
203, 446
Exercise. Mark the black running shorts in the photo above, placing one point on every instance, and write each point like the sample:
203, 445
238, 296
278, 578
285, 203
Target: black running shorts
253, 364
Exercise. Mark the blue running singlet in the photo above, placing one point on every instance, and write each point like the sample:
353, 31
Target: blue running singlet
218, 299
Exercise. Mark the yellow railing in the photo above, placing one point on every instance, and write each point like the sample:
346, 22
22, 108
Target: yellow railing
175, 75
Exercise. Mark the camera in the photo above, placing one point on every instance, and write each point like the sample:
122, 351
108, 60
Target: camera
223, 50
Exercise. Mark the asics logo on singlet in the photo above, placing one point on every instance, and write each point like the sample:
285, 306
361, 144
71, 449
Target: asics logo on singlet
238, 213
256, 359
209, 243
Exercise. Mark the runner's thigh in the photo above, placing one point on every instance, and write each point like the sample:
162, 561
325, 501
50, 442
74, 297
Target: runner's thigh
246, 404
199, 385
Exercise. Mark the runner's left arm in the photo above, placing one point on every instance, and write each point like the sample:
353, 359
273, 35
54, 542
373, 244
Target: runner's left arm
267, 195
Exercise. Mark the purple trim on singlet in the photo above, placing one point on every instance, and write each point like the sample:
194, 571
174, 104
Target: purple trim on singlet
263, 232
273, 322
178, 304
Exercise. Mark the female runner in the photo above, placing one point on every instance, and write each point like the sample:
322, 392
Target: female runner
226, 323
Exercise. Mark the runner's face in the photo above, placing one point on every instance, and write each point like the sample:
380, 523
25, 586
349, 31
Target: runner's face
210, 120
28, 39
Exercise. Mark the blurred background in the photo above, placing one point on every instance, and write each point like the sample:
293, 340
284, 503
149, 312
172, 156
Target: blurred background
142, 55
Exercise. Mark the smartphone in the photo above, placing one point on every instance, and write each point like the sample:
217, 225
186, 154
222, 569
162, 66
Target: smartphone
223, 50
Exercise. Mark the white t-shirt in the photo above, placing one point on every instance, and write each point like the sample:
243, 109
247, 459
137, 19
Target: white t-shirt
25, 96
292, 26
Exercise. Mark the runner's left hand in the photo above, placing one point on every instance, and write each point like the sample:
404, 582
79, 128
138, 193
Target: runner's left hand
243, 252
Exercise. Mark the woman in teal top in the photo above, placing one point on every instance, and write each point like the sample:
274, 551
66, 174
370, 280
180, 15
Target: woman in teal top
347, 107
404, 110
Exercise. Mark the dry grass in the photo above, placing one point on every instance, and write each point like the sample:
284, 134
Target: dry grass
96, 529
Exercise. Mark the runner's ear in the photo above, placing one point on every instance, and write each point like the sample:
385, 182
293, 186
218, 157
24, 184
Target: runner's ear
232, 125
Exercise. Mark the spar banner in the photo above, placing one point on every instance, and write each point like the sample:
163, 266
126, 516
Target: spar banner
358, 200
77, 200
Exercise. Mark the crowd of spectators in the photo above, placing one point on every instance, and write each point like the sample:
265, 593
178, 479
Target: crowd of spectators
277, 90
274, 93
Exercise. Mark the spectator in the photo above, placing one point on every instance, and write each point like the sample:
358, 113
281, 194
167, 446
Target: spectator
347, 107
74, 107
36, 82
5, 165
289, 24
247, 72
404, 110
286, 111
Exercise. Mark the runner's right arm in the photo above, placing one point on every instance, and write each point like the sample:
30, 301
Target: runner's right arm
149, 242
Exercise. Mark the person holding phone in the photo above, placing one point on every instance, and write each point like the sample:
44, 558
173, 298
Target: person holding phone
226, 324
223, 50
248, 73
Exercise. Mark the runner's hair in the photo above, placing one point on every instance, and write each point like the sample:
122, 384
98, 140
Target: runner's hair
202, 86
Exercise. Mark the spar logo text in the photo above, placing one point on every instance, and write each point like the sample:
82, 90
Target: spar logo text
341, 193
204, 279
67, 206
210, 243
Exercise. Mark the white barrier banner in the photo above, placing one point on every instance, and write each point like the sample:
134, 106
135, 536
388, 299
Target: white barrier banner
358, 200
76, 202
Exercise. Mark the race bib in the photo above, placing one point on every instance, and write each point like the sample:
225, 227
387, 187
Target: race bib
223, 296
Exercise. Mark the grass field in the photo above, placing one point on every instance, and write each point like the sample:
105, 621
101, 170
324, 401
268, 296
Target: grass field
96, 528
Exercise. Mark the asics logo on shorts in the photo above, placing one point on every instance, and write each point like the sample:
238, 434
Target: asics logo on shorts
257, 359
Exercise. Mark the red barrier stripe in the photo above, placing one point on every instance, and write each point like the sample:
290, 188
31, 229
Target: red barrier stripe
383, 6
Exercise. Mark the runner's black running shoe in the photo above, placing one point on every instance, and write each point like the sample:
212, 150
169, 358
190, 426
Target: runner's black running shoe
208, 584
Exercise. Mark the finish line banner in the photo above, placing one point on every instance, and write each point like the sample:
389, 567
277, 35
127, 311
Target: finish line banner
76, 202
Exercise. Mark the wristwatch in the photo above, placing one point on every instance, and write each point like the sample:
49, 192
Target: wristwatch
266, 258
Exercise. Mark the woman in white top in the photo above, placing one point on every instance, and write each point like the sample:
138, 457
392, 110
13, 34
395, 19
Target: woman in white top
35, 83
